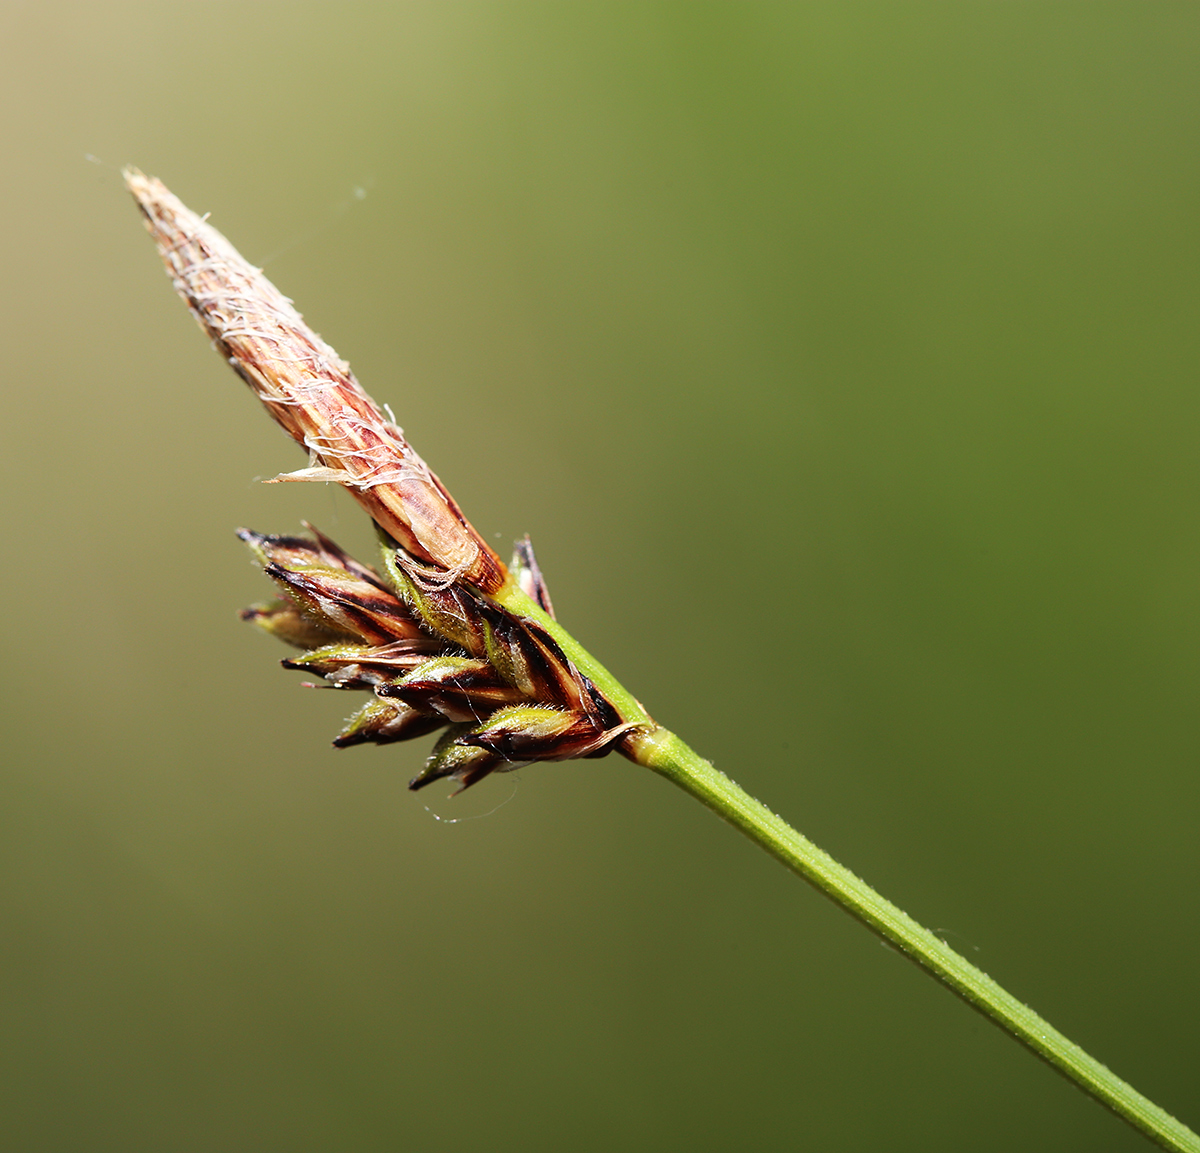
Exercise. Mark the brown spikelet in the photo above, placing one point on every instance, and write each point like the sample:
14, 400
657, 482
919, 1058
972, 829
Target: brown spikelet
311, 392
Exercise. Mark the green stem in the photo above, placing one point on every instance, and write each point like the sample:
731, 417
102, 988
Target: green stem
655, 748
666, 754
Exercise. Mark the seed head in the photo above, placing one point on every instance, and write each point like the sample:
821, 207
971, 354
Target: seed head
433, 635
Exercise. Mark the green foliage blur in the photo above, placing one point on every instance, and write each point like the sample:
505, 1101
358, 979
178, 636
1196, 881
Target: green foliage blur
840, 358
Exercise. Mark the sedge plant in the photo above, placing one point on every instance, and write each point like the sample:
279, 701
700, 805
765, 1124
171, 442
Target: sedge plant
443, 637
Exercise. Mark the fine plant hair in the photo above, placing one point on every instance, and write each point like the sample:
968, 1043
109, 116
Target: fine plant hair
443, 637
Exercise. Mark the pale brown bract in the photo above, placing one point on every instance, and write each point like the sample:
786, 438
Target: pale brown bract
313, 395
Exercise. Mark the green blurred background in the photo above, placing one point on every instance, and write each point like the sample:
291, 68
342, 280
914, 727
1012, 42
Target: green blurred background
850, 348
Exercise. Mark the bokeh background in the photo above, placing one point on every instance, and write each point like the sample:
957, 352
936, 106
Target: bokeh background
841, 359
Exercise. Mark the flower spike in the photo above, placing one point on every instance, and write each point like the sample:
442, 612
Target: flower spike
446, 637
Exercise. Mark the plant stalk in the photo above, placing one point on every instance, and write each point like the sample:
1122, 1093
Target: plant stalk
656, 748
310, 391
